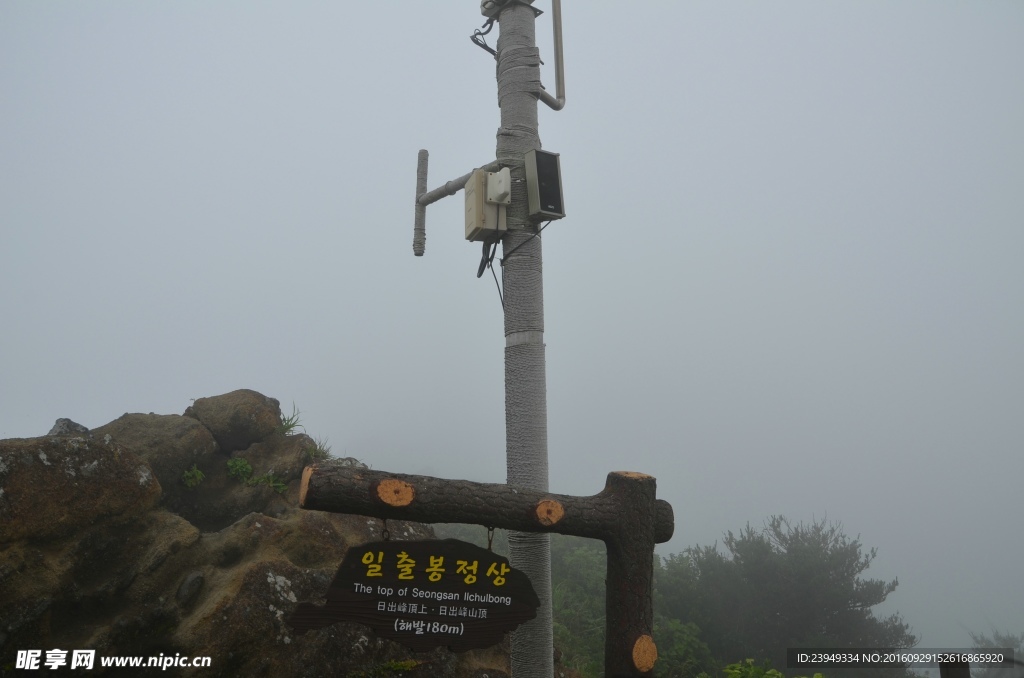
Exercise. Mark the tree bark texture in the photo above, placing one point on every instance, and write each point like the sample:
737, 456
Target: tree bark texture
626, 515
526, 434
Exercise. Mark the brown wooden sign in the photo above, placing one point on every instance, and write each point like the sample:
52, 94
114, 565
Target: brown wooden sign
626, 515
425, 594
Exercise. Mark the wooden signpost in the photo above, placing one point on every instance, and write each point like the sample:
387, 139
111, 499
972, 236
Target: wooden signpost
425, 594
626, 515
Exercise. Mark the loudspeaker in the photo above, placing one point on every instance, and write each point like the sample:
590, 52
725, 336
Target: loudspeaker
544, 185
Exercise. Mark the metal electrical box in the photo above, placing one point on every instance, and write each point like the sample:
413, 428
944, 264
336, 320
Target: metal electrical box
485, 220
544, 185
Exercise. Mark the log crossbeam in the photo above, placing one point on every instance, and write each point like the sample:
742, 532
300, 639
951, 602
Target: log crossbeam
625, 515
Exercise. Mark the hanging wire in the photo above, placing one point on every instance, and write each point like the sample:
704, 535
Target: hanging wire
490, 249
384, 532
487, 258
501, 297
478, 37
505, 258
490, 537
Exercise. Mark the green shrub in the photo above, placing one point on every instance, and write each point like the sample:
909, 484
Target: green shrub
239, 468
271, 481
192, 477
242, 469
748, 669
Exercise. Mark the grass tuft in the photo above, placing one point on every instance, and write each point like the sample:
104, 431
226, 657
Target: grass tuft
318, 451
290, 425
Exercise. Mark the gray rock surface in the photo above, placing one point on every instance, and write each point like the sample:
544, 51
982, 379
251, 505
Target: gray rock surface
66, 427
169, 443
237, 419
105, 546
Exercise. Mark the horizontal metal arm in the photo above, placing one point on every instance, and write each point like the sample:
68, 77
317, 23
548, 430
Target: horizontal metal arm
452, 187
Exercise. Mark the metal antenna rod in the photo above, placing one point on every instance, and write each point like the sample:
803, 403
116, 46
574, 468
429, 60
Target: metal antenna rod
425, 197
419, 228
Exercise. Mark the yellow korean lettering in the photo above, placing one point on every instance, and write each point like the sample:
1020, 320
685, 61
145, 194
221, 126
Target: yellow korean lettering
498, 573
373, 567
435, 568
464, 567
405, 565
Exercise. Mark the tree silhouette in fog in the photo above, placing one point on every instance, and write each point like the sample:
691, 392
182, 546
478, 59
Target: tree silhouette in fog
779, 587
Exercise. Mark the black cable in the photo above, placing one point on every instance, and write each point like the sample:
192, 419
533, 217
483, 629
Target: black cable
485, 260
500, 295
490, 249
478, 37
505, 258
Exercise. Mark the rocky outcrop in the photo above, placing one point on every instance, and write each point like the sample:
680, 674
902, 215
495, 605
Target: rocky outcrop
66, 427
138, 539
237, 419
56, 487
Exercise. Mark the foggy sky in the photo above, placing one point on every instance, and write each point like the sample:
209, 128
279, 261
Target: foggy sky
789, 281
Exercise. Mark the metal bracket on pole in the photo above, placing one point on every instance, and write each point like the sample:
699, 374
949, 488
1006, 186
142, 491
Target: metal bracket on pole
425, 197
558, 101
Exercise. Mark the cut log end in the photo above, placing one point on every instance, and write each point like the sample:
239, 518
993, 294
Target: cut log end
632, 474
645, 653
549, 512
304, 485
394, 492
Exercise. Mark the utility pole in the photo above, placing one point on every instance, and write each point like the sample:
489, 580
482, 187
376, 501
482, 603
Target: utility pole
527, 190
526, 427
526, 418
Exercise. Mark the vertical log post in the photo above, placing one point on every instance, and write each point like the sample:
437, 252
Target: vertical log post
630, 650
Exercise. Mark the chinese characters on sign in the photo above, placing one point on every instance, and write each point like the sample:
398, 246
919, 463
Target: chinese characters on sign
54, 659
425, 594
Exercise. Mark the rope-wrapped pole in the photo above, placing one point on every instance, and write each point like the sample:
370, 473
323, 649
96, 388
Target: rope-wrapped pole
526, 425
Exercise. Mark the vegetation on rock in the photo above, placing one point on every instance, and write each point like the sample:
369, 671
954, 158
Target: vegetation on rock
239, 468
318, 451
192, 477
290, 425
271, 481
